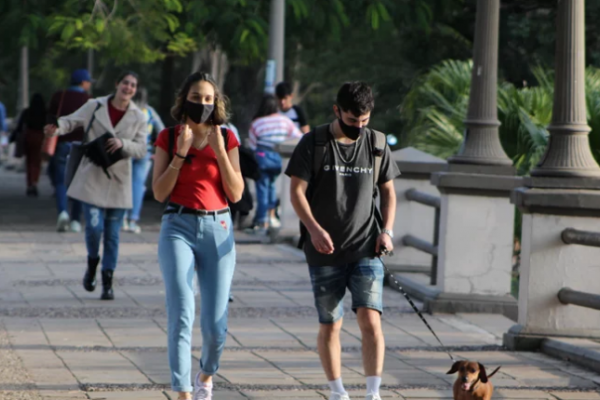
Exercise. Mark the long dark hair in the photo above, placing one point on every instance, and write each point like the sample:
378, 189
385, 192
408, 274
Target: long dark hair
35, 115
220, 115
268, 106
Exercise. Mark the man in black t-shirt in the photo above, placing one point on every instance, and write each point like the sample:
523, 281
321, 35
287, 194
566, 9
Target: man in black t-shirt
343, 234
285, 102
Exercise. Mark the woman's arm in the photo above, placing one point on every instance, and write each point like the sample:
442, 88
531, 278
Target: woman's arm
231, 174
70, 122
136, 147
164, 174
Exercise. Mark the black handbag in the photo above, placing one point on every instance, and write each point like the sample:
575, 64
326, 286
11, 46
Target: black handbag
96, 152
78, 150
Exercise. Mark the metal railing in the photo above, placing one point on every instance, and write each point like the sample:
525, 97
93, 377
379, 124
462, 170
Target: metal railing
584, 238
418, 243
570, 296
582, 299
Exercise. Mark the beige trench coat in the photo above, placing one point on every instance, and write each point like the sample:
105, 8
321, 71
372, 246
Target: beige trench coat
90, 184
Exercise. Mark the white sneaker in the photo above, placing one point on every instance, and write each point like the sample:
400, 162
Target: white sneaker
201, 392
134, 227
62, 225
339, 396
373, 396
75, 226
274, 223
125, 226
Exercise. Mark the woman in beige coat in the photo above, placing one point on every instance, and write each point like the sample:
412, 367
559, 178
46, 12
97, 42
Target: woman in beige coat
105, 197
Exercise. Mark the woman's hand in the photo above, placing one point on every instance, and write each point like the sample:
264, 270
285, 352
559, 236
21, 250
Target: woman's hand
113, 144
50, 130
215, 140
184, 141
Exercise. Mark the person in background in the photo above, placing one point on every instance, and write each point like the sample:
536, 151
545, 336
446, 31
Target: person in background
141, 166
268, 128
106, 195
285, 99
31, 125
66, 102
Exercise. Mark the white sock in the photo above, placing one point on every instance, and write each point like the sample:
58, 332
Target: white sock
337, 386
373, 383
208, 385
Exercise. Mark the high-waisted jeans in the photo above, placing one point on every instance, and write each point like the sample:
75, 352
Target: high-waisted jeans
204, 245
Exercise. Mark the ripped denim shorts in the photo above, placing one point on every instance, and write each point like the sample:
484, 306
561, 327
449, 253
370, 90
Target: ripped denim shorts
363, 278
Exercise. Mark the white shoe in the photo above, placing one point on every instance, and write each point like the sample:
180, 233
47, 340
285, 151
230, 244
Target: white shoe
62, 225
373, 396
125, 226
274, 223
75, 226
339, 396
201, 392
134, 227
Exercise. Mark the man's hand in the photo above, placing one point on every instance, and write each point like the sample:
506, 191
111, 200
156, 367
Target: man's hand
384, 240
322, 241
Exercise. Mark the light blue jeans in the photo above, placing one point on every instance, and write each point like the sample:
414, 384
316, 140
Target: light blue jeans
139, 172
202, 244
103, 222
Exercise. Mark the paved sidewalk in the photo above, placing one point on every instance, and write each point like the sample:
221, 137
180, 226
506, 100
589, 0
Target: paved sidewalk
58, 341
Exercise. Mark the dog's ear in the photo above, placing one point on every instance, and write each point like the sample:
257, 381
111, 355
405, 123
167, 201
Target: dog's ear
455, 367
482, 374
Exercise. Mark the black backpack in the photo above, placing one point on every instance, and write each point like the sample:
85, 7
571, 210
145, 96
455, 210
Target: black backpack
322, 139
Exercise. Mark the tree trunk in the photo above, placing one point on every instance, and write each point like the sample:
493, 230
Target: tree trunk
23, 98
167, 88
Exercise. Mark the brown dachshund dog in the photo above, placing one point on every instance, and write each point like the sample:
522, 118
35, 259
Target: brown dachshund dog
472, 382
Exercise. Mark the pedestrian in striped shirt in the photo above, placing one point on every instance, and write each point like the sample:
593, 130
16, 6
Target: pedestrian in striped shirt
268, 128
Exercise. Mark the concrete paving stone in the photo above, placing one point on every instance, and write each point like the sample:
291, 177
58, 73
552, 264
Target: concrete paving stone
102, 367
137, 395
496, 324
306, 329
264, 299
25, 333
63, 395
425, 394
259, 333
576, 395
154, 365
57, 296
78, 332
134, 333
283, 394
47, 370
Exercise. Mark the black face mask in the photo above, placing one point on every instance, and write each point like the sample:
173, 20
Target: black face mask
199, 113
352, 132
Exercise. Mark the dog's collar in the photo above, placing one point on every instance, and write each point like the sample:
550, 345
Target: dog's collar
474, 385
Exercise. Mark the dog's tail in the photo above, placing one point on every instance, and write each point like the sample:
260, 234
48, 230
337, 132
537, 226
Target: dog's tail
492, 374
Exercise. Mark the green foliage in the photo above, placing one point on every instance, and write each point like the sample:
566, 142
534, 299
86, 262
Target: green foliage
435, 108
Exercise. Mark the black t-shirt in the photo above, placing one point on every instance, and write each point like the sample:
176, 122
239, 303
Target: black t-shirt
341, 198
297, 115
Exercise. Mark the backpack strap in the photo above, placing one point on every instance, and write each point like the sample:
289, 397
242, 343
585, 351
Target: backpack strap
322, 137
172, 140
378, 144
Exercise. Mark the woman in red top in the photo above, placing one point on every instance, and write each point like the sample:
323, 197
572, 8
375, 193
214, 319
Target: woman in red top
200, 170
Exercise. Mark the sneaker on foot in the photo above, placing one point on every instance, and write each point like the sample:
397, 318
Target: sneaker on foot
339, 396
75, 226
62, 225
134, 227
373, 396
202, 391
125, 226
274, 223
257, 230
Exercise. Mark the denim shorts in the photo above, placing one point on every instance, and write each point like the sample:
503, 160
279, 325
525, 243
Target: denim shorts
363, 278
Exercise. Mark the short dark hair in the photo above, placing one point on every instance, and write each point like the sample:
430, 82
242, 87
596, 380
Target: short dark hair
124, 74
220, 115
356, 97
268, 106
283, 89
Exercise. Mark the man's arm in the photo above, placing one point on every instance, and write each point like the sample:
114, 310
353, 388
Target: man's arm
318, 236
302, 121
388, 212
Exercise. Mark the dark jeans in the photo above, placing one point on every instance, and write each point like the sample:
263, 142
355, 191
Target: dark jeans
56, 169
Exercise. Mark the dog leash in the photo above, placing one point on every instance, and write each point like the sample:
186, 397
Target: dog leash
414, 307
